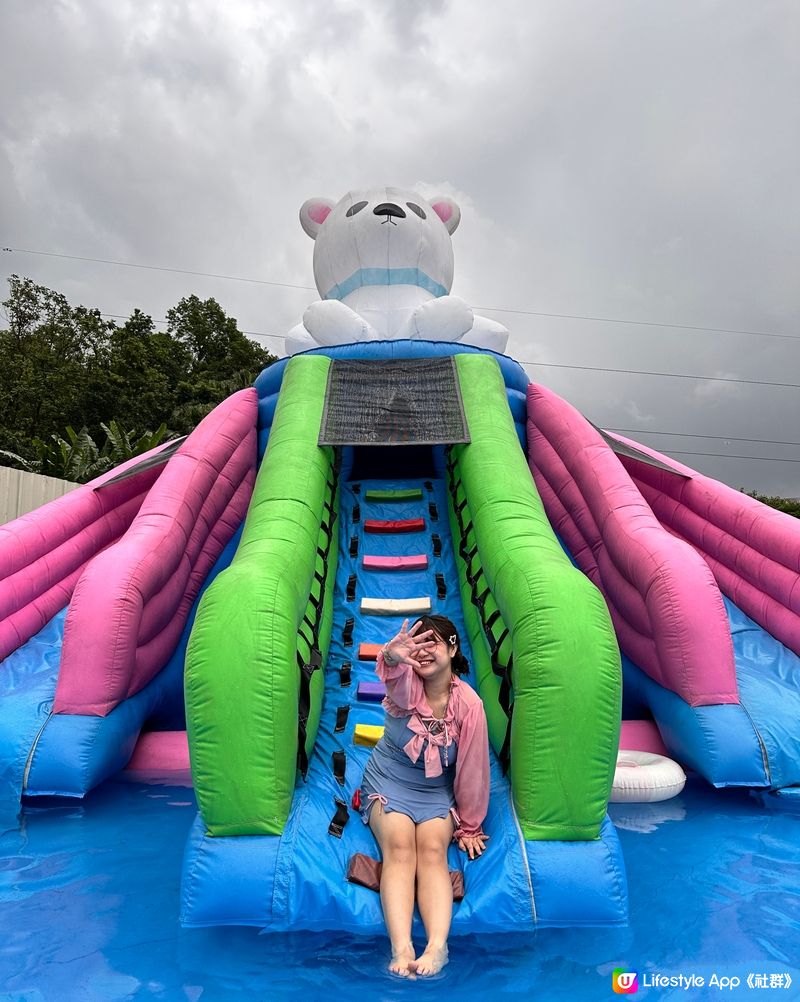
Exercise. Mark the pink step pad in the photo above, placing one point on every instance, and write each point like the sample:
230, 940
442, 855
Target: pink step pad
396, 525
160, 752
641, 735
416, 563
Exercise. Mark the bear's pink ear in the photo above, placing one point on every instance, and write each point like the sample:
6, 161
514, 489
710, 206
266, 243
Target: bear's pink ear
313, 214
448, 211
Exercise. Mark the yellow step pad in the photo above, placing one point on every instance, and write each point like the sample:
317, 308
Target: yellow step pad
367, 734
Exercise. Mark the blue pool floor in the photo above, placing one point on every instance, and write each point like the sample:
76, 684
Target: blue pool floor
89, 897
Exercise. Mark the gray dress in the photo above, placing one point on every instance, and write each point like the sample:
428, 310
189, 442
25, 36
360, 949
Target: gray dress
400, 784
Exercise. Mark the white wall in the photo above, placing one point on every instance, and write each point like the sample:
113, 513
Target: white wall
22, 492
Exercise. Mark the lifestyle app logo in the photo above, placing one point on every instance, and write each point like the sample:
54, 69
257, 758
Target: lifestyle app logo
624, 982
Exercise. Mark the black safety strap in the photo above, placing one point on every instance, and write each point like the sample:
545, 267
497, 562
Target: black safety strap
356, 514
344, 674
429, 486
342, 713
354, 546
441, 587
474, 578
433, 511
351, 588
339, 819
309, 628
347, 632
339, 765
436, 539
307, 670
355, 488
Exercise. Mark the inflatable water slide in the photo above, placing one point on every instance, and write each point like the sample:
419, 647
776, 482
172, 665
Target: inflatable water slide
239, 588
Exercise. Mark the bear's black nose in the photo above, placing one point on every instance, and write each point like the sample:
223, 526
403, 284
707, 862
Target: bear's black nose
389, 209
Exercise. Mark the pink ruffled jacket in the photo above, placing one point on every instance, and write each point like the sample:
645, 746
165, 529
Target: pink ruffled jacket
464, 722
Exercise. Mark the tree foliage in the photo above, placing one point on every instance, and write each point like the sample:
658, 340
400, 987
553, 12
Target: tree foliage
66, 367
789, 505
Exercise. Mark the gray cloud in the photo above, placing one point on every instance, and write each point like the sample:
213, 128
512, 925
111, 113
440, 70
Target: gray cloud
633, 161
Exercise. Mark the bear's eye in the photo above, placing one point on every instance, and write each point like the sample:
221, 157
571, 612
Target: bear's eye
355, 208
415, 208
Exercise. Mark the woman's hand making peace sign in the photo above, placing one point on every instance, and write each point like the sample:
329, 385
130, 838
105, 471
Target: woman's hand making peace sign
407, 645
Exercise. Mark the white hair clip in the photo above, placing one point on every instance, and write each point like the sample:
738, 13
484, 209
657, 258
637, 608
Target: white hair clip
453, 638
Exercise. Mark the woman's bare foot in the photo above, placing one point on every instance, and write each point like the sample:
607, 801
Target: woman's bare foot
401, 962
431, 961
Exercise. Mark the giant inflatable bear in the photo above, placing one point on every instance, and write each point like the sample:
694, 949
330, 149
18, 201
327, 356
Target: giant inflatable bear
383, 264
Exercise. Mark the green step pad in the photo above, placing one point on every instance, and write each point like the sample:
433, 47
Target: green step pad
409, 494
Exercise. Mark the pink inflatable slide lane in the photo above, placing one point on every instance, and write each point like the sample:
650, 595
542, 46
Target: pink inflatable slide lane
752, 550
43, 553
665, 604
132, 602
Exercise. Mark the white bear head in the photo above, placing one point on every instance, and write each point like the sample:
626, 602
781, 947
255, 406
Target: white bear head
384, 236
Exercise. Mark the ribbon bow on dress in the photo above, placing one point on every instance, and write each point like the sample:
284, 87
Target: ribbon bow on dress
440, 738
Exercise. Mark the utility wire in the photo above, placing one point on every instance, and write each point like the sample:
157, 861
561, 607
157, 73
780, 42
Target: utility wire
488, 309
668, 375
724, 455
685, 434
153, 267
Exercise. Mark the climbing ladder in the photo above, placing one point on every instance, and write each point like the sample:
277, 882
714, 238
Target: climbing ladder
396, 561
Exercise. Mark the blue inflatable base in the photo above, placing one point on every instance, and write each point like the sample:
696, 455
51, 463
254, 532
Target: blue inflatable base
243, 881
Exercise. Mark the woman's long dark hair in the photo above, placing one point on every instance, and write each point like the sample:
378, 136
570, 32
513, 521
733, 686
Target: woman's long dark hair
444, 630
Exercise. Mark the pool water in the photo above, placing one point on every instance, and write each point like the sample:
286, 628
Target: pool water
89, 900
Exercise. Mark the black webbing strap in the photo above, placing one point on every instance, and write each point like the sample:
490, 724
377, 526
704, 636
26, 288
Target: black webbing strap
351, 588
429, 486
433, 511
342, 712
344, 674
356, 514
437, 544
339, 765
502, 671
307, 669
309, 629
355, 488
441, 587
347, 632
354, 546
339, 819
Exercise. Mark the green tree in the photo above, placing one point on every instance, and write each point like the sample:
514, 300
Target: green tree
65, 366
789, 505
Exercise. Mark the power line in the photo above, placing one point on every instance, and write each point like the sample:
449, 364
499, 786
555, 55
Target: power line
122, 316
586, 368
725, 455
488, 309
668, 375
153, 267
684, 434
639, 323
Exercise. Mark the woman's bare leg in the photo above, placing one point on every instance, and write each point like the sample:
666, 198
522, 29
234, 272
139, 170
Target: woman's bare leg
395, 836
434, 892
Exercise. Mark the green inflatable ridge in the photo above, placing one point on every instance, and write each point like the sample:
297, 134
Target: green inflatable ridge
566, 664
252, 628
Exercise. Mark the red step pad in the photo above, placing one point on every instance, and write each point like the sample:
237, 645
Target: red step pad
369, 652
415, 563
395, 525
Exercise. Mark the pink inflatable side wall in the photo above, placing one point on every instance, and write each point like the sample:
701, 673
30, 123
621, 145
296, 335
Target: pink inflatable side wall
753, 550
663, 599
132, 602
43, 553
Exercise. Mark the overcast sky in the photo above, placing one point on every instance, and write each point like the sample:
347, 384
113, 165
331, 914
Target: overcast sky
630, 160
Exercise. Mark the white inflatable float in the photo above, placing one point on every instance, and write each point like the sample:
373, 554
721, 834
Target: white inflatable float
643, 777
